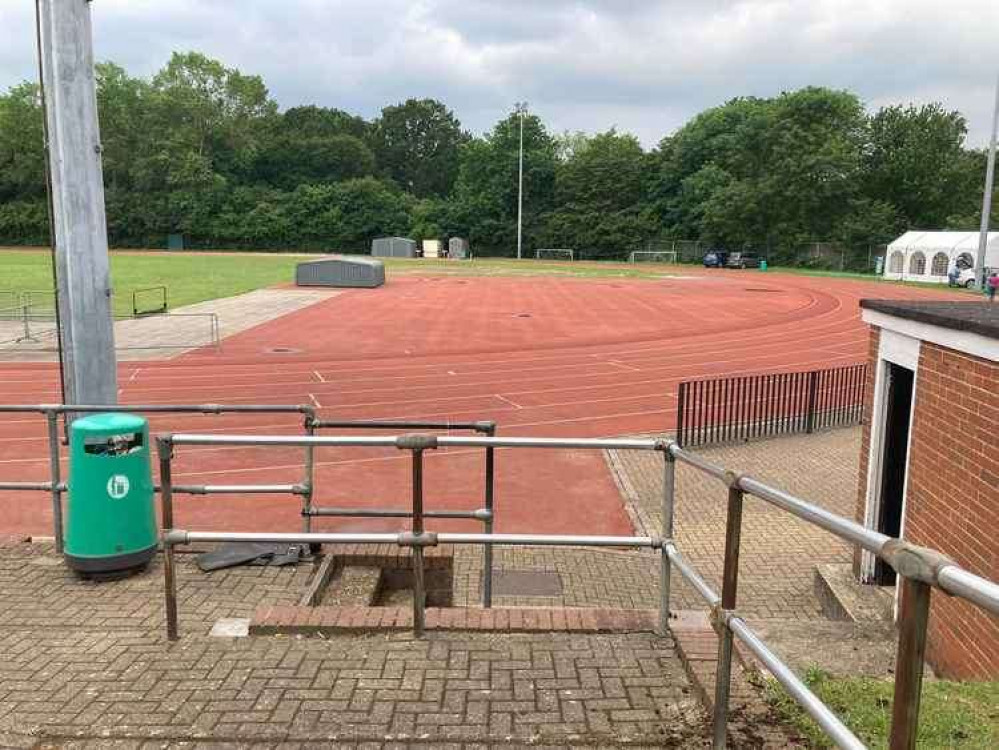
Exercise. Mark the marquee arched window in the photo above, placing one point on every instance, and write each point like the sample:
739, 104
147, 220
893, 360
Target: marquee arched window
917, 264
939, 265
895, 262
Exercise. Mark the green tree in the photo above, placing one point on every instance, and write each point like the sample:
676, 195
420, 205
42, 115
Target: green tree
916, 162
416, 145
755, 171
485, 199
600, 188
295, 157
22, 158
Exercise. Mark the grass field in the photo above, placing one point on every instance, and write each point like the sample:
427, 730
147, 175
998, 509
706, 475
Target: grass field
195, 277
952, 714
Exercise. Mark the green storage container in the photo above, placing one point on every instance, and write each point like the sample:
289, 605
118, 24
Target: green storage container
110, 518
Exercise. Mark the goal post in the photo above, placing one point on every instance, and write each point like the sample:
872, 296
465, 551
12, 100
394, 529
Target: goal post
652, 256
556, 253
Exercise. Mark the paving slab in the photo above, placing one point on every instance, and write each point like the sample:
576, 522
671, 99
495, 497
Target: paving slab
182, 330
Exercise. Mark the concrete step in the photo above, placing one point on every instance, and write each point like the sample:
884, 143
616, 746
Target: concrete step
843, 597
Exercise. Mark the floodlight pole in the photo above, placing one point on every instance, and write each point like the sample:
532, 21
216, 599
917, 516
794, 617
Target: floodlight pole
73, 150
983, 235
521, 111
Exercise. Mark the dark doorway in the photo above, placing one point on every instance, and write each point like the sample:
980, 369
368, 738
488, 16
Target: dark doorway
898, 416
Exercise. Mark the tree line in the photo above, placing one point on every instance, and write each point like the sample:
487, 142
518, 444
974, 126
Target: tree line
200, 149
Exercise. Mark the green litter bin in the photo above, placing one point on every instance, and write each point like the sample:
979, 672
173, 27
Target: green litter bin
110, 517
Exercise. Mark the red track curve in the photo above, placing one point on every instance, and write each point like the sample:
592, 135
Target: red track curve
541, 356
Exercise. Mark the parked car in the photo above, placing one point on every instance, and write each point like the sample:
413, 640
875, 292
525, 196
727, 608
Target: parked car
743, 260
715, 259
958, 276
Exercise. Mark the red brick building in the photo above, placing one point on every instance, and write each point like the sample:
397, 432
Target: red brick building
930, 459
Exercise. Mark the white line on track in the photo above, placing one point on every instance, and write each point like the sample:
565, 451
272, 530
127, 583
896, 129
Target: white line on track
319, 377
315, 400
512, 403
622, 364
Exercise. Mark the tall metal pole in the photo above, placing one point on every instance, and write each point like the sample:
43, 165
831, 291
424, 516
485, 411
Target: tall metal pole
77, 194
48, 197
983, 235
521, 110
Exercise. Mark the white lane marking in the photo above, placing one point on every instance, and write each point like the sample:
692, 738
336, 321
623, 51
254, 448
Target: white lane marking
514, 404
315, 400
622, 364
319, 377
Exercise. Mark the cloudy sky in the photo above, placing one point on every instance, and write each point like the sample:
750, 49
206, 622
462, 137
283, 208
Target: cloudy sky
640, 65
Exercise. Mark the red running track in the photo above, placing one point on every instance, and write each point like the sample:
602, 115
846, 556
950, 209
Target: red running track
542, 356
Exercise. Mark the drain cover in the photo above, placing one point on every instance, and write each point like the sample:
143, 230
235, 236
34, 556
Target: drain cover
281, 350
526, 583
759, 289
522, 315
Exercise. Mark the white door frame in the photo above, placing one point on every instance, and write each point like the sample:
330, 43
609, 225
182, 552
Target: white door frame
901, 350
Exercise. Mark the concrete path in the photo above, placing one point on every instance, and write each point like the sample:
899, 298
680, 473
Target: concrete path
165, 336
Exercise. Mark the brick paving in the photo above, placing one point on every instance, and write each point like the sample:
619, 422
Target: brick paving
87, 665
779, 553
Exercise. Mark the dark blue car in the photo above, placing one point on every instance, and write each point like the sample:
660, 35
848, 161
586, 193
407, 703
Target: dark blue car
716, 259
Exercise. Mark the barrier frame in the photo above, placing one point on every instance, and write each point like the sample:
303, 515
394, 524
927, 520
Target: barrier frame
920, 569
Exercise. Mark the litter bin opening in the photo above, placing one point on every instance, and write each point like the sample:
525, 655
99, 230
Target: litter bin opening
113, 445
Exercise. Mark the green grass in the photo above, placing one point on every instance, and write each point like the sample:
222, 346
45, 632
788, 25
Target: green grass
952, 714
189, 278
195, 277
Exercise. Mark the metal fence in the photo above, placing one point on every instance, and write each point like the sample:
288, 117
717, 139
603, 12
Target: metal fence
724, 410
920, 569
149, 300
37, 325
305, 489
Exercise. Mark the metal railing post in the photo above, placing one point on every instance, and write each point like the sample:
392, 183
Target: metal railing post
419, 585
487, 549
55, 475
307, 496
164, 447
914, 612
730, 585
25, 321
813, 383
669, 495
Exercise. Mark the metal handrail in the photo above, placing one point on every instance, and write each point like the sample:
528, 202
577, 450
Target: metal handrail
305, 489
56, 486
485, 515
920, 569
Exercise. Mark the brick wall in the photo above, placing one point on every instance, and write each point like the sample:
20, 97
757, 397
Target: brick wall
953, 498
952, 503
874, 343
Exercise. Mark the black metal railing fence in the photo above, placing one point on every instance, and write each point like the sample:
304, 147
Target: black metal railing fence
726, 410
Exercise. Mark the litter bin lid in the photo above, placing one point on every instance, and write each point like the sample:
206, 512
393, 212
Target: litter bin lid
108, 424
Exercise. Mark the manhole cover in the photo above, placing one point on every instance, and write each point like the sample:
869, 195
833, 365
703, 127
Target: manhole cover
526, 583
281, 350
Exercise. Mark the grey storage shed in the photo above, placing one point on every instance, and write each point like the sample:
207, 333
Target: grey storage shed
341, 271
393, 247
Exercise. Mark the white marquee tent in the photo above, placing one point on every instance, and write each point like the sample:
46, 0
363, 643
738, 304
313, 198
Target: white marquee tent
928, 256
